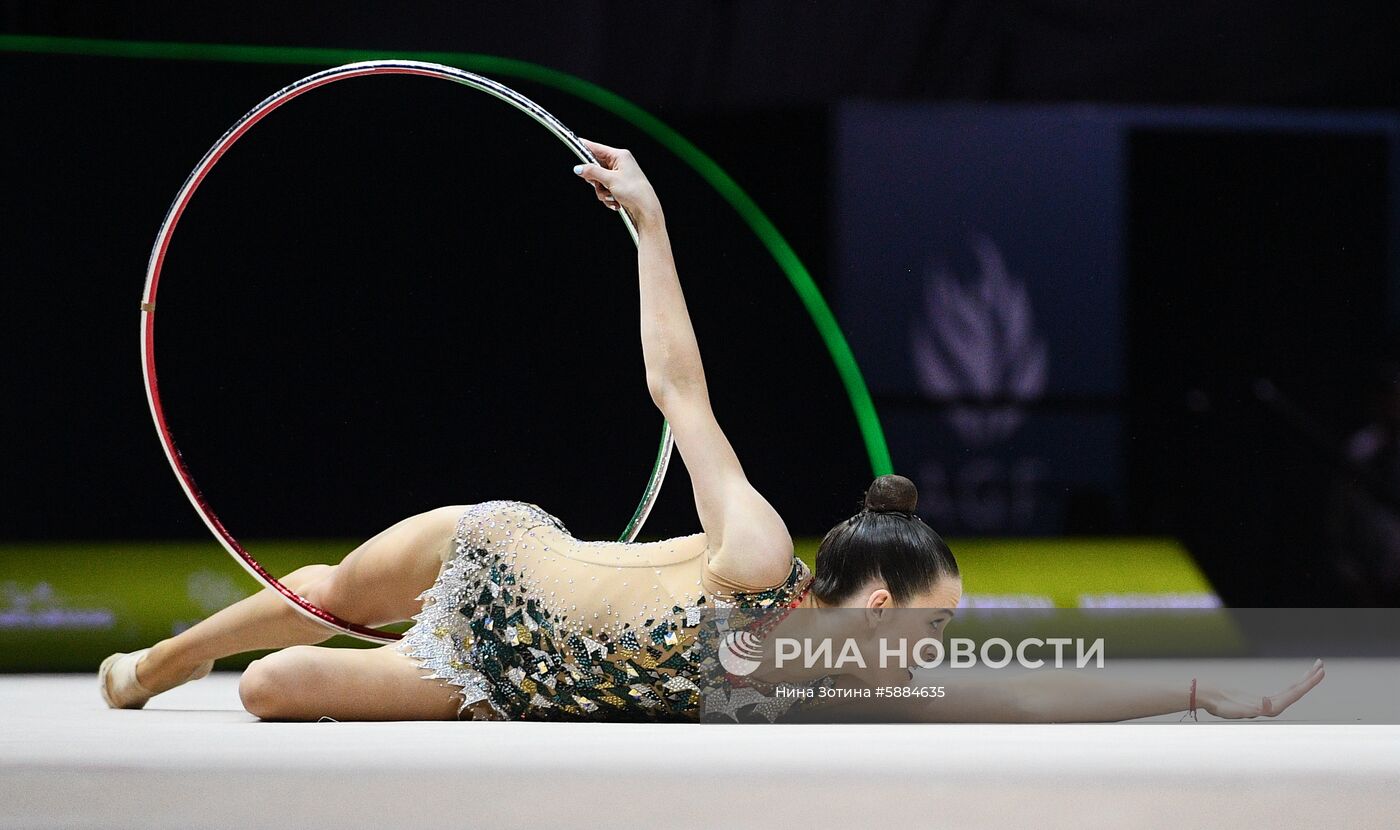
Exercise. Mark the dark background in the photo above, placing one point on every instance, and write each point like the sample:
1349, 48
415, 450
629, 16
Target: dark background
393, 295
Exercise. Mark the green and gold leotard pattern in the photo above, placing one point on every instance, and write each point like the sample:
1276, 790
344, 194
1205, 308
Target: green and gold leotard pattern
533, 624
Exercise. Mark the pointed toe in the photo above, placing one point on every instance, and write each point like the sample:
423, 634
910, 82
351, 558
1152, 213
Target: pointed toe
116, 678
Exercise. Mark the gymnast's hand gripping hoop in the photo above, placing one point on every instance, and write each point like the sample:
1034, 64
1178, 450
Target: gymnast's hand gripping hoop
162, 244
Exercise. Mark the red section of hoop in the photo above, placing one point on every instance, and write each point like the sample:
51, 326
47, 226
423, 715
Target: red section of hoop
153, 387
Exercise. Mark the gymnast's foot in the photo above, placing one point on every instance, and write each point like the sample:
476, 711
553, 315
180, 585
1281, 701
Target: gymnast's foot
121, 687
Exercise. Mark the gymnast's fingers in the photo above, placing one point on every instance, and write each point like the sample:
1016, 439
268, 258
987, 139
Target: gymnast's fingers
596, 175
605, 154
1274, 705
605, 196
1307, 684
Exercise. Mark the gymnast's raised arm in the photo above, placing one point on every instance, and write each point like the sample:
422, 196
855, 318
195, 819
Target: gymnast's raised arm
748, 540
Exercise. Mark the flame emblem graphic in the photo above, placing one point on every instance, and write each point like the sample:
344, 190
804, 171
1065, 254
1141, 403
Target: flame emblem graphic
977, 341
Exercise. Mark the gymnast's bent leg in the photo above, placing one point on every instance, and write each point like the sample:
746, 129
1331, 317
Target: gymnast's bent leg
374, 585
306, 683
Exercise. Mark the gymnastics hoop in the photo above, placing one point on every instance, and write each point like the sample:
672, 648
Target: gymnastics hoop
157, 261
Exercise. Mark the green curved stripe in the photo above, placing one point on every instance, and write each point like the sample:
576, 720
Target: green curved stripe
711, 172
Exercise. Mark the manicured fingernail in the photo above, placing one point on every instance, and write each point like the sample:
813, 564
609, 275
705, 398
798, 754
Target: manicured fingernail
578, 168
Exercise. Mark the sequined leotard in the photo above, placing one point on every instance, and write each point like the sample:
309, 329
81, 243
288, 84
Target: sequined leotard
534, 624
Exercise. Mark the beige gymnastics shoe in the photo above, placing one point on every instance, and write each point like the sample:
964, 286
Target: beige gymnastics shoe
116, 678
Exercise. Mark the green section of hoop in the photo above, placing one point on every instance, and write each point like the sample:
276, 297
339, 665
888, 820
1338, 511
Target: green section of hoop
722, 182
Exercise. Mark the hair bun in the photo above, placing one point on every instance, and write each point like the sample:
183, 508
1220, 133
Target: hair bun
891, 493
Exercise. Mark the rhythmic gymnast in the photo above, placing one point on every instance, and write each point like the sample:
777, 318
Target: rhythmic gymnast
515, 618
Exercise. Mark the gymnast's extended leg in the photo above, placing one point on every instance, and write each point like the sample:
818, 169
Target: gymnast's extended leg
374, 585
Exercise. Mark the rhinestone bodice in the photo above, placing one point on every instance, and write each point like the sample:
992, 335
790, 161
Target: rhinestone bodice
534, 624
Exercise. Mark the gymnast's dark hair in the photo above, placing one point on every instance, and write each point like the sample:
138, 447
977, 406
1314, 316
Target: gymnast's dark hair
885, 540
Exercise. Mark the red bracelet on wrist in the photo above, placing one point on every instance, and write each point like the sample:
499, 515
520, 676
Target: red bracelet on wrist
1193, 700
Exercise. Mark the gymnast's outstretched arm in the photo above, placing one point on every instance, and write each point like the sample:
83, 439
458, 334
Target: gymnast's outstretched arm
1079, 697
749, 542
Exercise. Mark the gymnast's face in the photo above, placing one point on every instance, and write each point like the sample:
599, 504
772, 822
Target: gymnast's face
932, 613
923, 616
918, 622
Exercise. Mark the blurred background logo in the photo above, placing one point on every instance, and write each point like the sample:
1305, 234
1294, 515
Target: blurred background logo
975, 343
